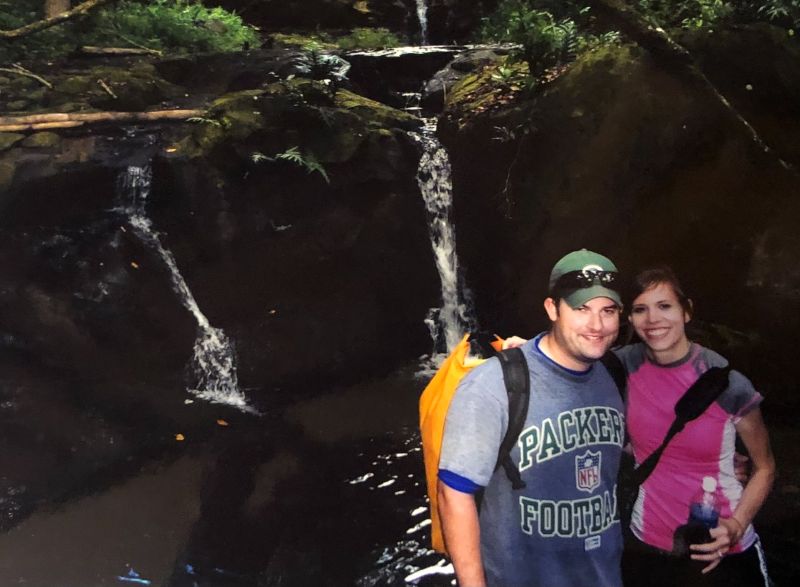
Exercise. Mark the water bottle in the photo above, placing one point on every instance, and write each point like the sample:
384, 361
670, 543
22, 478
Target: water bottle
703, 513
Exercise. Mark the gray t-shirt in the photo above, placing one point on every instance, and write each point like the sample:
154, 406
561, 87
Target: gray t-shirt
562, 529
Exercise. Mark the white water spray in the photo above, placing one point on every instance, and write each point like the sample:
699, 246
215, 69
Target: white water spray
449, 322
213, 362
422, 16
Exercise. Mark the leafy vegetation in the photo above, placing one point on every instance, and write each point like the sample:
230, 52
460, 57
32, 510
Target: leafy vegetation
358, 38
367, 38
307, 160
174, 26
546, 38
697, 14
554, 32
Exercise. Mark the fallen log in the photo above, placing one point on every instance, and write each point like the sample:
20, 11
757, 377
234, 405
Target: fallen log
56, 120
117, 51
37, 126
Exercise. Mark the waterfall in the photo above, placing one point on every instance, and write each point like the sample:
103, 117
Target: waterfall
422, 16
213, 362
449, 322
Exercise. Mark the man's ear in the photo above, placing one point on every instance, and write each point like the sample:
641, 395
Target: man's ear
551, 308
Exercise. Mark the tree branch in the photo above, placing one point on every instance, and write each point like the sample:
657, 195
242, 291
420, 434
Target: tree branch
46, 23
17, 69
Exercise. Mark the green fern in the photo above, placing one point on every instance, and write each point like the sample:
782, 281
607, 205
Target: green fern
307, 161
294, 155
257, 157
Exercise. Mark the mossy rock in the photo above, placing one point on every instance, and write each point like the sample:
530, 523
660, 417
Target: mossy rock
617, 60
42, 140
9, 139
339, 139
239, 114
299, 113
17, 105
7, 170
488, 88
75, 85
375, 112
135, 88
297, 40
231, 117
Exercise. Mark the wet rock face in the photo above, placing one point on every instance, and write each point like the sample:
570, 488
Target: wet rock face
618, 155
314, 281
294, 218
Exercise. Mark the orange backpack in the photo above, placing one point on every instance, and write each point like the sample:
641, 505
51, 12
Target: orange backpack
435, 401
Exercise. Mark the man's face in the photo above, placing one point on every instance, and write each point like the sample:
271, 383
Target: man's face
582, 335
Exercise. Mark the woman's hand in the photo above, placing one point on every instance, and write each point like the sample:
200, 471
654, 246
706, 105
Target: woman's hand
727, 533
513, 342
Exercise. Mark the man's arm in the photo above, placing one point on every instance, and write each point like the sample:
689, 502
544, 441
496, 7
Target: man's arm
459, 515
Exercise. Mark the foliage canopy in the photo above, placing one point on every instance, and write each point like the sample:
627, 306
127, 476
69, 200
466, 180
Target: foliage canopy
553, 32
175, 26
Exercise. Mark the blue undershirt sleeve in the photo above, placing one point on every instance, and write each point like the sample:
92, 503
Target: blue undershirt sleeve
457, 482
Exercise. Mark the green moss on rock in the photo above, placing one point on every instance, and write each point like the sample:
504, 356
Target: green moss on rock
7, 171
485, 89
375, 112
17, 105
9, 139
42, 140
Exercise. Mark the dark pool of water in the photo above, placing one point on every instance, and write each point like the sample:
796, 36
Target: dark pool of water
329, 491
326, 491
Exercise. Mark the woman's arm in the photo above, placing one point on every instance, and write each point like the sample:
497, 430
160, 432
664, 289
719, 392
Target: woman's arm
754, 433
459, 515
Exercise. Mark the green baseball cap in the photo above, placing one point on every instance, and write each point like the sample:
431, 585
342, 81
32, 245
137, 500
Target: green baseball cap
583, 275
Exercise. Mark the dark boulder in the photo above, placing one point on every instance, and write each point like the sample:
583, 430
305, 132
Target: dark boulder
619, 155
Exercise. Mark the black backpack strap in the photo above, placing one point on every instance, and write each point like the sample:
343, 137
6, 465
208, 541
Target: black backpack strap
518, 387
618, 373
696, 400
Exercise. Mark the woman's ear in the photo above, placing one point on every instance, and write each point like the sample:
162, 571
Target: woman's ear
687, 314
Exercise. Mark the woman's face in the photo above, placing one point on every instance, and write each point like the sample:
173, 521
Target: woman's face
659, 320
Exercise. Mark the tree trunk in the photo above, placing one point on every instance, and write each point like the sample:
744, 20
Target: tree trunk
54, 7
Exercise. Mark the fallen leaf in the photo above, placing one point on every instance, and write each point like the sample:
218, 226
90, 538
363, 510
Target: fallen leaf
179, 437
222, 422
134, 264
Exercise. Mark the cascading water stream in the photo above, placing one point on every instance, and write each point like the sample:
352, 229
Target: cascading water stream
213, 362
449, 322
422, 16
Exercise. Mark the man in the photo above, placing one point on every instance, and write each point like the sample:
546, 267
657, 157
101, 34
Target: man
562, 529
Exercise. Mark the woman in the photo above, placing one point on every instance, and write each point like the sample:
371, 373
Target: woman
660, 369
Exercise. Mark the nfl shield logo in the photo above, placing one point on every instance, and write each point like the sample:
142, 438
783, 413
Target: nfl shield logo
587, 471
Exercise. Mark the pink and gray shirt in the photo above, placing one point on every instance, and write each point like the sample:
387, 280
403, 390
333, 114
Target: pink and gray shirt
705, 447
